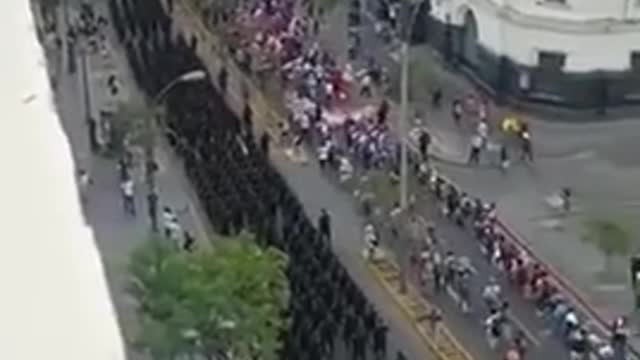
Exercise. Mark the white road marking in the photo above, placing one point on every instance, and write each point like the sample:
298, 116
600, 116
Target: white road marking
528, 333
395, 56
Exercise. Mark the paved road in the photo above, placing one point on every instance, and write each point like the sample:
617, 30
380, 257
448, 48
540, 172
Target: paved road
334, 38
401, 335
596, 159
316, 192
116, 234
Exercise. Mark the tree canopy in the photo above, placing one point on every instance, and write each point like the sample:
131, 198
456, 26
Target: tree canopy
611, 237
226, 301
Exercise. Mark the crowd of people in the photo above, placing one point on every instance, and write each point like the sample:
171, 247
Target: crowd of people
318, 89
363, 139
443, 269
239, 189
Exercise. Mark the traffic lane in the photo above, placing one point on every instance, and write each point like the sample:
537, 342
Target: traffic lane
524, 313
371, 45
383, 54
316, 192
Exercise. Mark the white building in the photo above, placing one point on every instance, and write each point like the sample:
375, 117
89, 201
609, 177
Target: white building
55, 303
549, 46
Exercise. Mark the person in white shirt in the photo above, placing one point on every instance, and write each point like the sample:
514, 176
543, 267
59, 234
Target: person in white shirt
371, 243
571, 322
323, 154
491, 294
482, 112
128, 196
365, 86
483, 130
476, 146
84, 181
346, 169
170, 223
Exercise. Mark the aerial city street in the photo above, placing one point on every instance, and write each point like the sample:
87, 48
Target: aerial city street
358, 179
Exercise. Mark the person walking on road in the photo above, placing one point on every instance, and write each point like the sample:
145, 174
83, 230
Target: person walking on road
526, 147
152, 208
324, 226
476, 147
128, 196
504, 158
491, 294
265, 143
493, 328
189, 242
456, 111
380, 341
169, 222
123, 168
84, 182
424, 142
223, 78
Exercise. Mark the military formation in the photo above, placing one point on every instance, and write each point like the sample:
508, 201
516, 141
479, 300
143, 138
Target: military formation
240, 190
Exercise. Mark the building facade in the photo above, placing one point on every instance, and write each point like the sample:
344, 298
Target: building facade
580, 54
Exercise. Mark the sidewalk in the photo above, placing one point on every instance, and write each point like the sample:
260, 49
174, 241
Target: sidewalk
596, 160
117, 234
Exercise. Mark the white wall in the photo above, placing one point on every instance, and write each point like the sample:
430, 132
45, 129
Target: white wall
585, 52
520, 37
574, 9
54, 302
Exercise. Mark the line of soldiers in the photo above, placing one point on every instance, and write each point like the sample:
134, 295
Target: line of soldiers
240, 190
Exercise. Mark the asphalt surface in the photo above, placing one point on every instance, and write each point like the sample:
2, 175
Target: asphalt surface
316, 192
596, 160
401, 334
117, 234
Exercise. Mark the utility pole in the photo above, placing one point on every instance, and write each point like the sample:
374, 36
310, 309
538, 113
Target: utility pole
69, 43
404, 119
411, 11
91, 123
150, 129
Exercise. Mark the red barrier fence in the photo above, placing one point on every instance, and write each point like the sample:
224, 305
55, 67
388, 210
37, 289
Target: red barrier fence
570, 291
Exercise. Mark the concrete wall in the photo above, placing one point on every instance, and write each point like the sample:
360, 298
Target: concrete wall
573, 9
597, 71
505, 31
55, 299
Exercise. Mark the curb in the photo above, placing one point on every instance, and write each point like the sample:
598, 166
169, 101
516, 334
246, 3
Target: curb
576, 295
444, 345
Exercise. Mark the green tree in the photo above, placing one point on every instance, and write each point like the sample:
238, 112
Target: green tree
227, 301
127, 122
611, 237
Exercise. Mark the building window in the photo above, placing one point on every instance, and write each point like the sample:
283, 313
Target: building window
554, 4
551, 60
635, 61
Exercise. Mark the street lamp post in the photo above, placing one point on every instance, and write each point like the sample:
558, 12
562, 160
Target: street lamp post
92, 125
404, 101
411, 12
150, 131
